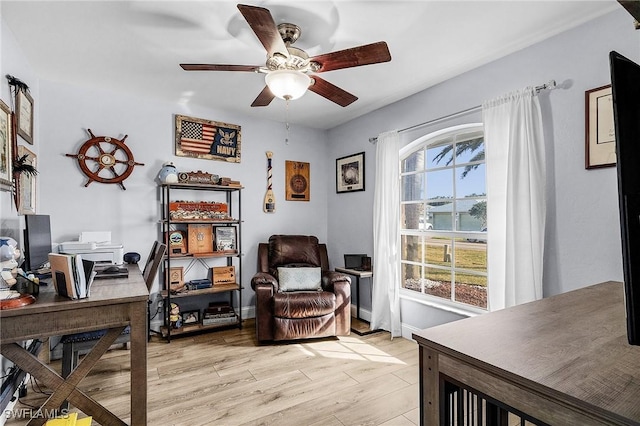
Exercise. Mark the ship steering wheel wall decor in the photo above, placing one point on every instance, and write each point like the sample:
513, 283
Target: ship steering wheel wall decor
105, 159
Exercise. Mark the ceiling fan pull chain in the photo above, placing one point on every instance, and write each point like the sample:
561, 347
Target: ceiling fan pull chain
286, 140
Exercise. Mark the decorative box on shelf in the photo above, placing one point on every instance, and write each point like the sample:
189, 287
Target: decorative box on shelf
186, 211
200, 239
177, 242
198, 177
223, 274
199, 284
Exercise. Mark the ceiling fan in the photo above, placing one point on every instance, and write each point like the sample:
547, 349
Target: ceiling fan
287, 68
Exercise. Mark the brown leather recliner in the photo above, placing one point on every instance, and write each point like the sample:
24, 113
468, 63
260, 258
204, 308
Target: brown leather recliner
289, 315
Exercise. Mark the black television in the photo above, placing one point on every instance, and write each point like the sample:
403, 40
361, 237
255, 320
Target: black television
37, 241
625, 89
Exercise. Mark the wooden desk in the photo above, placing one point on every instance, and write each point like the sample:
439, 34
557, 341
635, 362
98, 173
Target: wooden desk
113, 304
563, 360
358, 275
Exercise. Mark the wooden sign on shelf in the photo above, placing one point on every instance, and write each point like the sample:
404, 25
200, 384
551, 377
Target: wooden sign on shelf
223, 275
177, 242
200, 238
176, 278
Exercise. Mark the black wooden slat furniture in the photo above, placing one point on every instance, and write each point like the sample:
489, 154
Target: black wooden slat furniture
561, 360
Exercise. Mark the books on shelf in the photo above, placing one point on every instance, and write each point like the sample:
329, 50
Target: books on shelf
219, 314
72, 275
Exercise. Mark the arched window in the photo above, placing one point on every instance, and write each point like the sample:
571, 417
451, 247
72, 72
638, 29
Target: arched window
443, 213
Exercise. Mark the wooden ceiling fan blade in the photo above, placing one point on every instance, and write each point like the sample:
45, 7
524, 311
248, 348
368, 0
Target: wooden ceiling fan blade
264, 98
332, 92
265, 28
632, 6
367, 54
218, 67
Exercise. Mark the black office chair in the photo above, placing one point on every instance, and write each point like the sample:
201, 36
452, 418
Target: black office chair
73, 344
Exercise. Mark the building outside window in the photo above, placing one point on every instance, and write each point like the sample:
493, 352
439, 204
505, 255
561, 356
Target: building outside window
443, 209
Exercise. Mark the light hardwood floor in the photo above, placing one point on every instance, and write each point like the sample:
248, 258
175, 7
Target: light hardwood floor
227, 378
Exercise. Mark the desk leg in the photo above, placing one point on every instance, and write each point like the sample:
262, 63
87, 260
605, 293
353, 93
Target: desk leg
139, 364
358, 297
429, 387
65, 389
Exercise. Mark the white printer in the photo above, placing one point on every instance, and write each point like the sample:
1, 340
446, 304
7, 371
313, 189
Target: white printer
95, 246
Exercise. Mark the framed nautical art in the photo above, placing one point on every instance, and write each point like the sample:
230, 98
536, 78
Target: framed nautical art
211, 140
27, 184
24, 115
600, 143
297, 181
6, 143
350, 173
226, 239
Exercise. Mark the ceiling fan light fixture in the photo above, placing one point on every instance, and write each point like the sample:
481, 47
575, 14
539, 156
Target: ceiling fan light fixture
287, 84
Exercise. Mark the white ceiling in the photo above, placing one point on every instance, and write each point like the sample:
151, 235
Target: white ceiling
136, 46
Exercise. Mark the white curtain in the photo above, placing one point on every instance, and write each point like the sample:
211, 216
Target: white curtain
515, 158
385, 303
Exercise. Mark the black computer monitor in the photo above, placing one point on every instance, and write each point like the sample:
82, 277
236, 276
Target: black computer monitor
625, 85
37, 241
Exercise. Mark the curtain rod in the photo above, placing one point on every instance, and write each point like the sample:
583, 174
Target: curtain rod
551, 84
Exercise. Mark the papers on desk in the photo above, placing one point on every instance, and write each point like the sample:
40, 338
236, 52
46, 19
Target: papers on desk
72, 275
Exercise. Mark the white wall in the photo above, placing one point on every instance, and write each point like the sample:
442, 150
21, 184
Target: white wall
583, 237
132, 214
13, 62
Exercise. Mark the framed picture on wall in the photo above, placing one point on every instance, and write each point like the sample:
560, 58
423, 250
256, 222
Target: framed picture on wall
24, 113
600, 144
207, 139
27, 184
297, 175
6, 158
350, 173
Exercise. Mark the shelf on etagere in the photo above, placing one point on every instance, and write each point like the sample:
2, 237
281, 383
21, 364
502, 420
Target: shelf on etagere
175, 256
200, 221
202, 186
217, 288
193, 328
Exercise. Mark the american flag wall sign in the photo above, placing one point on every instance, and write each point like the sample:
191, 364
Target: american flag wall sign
212, 140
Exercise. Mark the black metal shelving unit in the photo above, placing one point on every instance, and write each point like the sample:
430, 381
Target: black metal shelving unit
233, 198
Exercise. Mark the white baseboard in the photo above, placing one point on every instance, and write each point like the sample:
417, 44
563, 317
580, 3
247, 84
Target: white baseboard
364, 313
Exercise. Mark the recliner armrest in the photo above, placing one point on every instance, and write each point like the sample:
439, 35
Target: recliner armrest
331, 278
262, 278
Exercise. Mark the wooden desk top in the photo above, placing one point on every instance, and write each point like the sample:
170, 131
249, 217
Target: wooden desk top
360, 274
44, 315
572, 347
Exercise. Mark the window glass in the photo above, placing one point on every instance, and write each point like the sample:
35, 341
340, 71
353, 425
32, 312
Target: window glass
414, 162
444, 217
413, 187
439, 184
